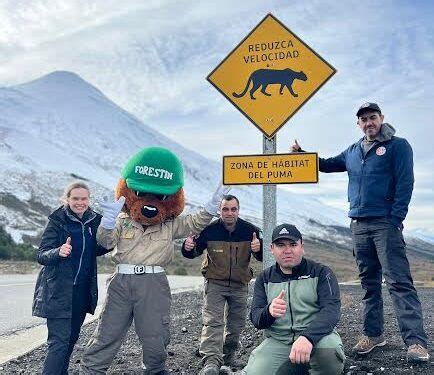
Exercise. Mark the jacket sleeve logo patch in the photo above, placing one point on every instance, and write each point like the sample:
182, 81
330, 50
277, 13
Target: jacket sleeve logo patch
303, 277
380, 151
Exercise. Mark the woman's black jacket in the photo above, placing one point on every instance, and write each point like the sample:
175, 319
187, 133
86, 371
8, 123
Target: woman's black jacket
54, 286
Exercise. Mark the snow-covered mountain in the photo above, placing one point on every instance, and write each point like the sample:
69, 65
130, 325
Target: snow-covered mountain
423, 234
59, 127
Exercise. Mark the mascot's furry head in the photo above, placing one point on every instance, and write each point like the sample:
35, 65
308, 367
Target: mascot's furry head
152, 184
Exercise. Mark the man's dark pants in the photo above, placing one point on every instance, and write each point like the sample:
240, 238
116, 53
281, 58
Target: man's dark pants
379, 249
63, 333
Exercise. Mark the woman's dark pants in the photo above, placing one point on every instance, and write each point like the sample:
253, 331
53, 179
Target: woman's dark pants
63, 333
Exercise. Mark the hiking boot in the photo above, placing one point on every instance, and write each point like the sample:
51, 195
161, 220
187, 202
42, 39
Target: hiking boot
417, 353
210, 368
232, 362
366, 344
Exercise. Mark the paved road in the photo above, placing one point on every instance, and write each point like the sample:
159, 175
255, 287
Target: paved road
16, 296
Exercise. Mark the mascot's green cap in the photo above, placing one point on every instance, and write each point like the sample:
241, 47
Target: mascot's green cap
154, 170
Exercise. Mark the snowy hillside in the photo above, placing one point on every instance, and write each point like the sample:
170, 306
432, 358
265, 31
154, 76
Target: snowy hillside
59, 127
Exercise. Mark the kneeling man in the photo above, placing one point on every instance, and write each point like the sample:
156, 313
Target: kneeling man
297, 302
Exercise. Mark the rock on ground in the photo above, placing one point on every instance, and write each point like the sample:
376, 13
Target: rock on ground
186, 326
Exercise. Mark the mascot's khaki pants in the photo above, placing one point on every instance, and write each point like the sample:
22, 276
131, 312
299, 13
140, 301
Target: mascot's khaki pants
222, 304
146, 299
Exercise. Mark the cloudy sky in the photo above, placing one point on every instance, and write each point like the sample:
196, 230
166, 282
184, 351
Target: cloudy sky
152, 58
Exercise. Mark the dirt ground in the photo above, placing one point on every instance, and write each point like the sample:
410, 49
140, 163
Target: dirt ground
186, 326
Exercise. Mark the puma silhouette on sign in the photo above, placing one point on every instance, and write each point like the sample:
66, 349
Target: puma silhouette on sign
265, 77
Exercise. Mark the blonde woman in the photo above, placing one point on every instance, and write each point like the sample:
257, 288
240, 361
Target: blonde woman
66, 288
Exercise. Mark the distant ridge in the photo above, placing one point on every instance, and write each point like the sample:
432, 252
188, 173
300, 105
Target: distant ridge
59, 126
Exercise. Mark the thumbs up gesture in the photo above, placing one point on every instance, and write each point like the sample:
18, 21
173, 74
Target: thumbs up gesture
296, 147
255, 245
190, 242
66, 248
277, 306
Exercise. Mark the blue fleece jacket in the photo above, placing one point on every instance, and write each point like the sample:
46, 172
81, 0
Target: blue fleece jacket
380, 182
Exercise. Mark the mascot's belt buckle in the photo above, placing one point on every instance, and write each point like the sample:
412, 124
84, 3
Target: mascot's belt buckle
140, 269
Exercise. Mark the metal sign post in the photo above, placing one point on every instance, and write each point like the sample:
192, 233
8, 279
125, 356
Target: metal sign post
269, 216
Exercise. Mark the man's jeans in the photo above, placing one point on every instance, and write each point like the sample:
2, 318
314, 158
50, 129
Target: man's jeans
379, 249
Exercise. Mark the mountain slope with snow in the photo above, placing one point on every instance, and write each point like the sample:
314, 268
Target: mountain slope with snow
60, 127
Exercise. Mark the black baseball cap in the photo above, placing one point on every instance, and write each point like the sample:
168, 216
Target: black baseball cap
286, 231
368, 107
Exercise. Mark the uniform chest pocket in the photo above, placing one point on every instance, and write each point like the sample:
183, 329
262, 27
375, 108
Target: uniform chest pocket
219, 257
159, 236
242, 253
128, 234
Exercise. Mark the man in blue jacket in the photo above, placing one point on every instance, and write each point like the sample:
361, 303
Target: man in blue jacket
380, 172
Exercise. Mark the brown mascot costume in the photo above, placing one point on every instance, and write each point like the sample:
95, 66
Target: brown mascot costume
141, 226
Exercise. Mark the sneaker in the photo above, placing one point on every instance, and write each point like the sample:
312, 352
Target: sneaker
417, 353
210, 369
366, 344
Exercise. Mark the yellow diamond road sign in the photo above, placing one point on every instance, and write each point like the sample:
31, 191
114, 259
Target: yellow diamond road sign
270, 169
270, 75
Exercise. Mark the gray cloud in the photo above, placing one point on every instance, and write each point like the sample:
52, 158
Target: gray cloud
152, 59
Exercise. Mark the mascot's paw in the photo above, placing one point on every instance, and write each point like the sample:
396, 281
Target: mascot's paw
111, 210
213, 205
